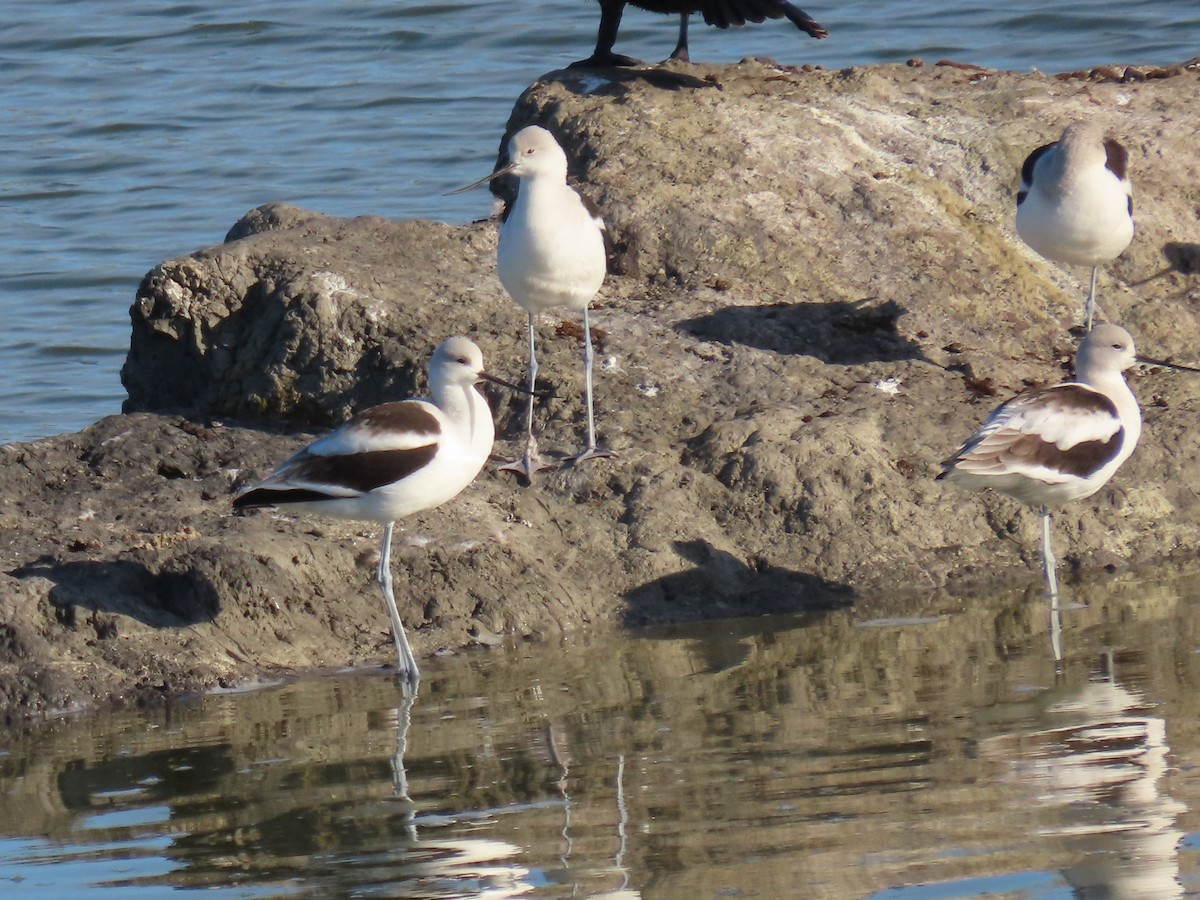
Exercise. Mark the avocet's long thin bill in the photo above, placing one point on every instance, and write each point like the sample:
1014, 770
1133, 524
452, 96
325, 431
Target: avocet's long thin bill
1167, 364
484, 179
508, 384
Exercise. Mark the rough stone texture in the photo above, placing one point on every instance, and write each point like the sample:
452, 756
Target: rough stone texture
304, 318
816, 293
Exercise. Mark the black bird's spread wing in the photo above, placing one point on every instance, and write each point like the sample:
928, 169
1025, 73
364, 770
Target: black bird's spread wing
726, 13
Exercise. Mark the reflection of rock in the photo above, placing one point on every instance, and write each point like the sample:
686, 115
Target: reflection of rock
756, 758
1101, 768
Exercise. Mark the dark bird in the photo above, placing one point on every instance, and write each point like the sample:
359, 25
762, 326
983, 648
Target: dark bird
721, 13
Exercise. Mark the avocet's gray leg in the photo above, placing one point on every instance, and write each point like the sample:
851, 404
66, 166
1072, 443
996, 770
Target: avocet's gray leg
406, 663
1048, 556
591, 451
530, 462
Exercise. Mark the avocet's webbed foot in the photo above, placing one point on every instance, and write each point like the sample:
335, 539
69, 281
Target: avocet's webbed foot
529, 464
593, 453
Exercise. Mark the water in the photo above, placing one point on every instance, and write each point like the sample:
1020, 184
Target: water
855, 754
136, 132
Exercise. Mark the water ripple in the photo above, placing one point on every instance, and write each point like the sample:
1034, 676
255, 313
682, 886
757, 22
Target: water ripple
135, 133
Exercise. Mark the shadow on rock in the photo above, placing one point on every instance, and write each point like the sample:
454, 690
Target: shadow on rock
721, 585
1182, 257
128, 588
584, 81
840, 333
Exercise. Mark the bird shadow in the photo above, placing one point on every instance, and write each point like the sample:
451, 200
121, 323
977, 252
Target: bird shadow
126, 588
720, 585
616, 80
837, 333
1182, 257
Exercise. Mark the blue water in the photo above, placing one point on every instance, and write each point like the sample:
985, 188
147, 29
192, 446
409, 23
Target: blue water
134, 132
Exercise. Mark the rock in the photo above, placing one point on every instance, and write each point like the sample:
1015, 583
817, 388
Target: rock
303, 318
816, 293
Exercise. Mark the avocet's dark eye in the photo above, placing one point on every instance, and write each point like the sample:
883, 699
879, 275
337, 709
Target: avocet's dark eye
463, 361
530, 151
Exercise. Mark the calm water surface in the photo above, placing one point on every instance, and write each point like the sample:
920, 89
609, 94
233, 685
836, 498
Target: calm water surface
134, 132
846, 755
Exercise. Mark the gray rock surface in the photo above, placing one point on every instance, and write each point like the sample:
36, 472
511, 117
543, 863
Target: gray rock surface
816, 293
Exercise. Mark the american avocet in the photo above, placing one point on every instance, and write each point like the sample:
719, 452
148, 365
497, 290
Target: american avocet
391, 461
1075, 204
551, 254
721, 13
1050, 445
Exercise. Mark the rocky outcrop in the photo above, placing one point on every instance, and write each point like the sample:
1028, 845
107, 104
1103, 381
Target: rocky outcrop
816, 292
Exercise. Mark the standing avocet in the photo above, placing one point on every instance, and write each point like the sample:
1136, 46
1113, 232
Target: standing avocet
1051, 445
391, 461
1075, 204
551, 254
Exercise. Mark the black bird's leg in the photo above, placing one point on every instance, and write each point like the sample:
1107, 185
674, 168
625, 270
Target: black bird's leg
681, 49
610, 22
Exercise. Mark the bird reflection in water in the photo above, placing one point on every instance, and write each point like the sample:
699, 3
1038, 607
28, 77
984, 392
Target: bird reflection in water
1056, 635
557, 751
1100, 769
434, 868
442, 867
624, 892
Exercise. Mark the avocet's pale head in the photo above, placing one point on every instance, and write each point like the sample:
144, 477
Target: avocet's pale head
1107, 348
458, 362
1083, 142
533, 152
